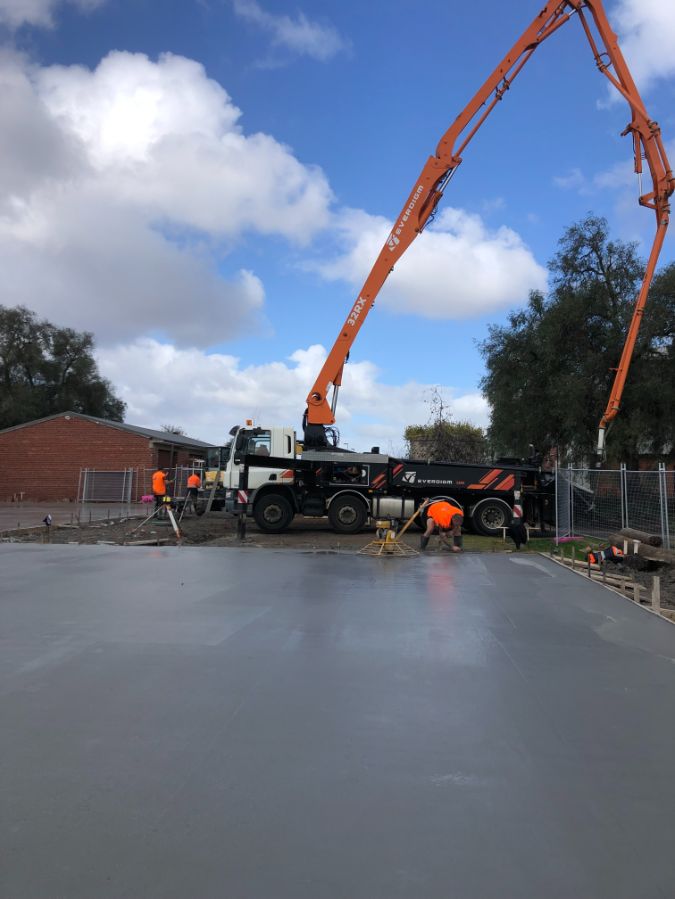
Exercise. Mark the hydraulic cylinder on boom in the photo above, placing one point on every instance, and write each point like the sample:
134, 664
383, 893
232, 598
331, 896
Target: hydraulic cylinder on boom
430, 185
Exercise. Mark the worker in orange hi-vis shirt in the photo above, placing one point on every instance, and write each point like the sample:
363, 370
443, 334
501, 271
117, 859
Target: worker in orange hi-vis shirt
159, 486
444, 518
194, 482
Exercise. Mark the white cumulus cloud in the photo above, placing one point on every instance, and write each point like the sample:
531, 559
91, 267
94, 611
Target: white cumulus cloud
458, 268
208, 393
621, 186
573, 180
15, 13
299, 35
122, 189
646, 30
171, 139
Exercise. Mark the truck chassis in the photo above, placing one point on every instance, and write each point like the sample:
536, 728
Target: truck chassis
353, 488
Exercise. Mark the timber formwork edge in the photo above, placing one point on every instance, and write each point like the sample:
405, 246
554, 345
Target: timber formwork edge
619, 584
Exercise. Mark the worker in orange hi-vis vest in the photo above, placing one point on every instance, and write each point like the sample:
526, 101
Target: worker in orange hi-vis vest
444, 518
194, 482
159, 486
608, 554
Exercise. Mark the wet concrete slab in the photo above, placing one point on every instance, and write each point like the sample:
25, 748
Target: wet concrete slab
247, 723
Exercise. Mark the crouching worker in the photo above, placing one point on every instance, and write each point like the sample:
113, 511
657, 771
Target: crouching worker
608, 554
443, 518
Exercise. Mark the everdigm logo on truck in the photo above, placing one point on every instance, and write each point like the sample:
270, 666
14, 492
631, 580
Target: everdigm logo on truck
411, 477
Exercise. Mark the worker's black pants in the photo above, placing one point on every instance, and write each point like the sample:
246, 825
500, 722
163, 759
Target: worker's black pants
191, 498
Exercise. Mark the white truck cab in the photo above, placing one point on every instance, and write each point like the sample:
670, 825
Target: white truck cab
249, 440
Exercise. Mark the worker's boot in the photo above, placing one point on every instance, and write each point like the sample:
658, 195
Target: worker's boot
424, 542
458, 544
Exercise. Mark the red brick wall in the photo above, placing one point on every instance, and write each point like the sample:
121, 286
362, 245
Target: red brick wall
43, 460
651, 463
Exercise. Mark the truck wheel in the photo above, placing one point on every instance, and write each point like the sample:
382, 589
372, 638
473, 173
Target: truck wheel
273, 513
347, 514
490, 516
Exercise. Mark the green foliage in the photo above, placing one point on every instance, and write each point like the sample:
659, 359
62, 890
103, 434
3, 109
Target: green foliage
443, 440
550, 369
447, 441
45, 370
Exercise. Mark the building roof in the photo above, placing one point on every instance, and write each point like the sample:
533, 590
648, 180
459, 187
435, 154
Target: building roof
157, 436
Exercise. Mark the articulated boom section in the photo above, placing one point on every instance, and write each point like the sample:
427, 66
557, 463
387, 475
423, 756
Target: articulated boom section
429, 186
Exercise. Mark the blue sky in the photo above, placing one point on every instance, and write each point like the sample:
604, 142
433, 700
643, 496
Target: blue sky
205, 184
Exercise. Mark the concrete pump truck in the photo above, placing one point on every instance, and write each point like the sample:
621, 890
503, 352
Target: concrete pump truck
350, 488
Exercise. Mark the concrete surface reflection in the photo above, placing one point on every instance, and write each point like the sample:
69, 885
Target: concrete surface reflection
241, 723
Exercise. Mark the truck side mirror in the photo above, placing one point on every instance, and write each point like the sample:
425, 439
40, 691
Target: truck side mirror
240, 446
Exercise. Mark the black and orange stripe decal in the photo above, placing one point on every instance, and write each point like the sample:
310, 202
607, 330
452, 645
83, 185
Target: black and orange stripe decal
397, 468
379, 480
487, 479
507, 483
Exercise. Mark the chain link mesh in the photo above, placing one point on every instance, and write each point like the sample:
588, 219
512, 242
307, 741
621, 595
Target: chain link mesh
592, 503
105, 486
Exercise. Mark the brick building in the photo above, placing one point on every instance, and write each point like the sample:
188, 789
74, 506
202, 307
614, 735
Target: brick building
43, 459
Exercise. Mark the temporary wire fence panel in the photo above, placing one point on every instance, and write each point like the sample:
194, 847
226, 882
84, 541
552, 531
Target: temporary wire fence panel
563, 516
668, 516
592, 503
105, 486
643, 503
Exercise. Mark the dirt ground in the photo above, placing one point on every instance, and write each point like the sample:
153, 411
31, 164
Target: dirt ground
307, 534
665, 572
216, 529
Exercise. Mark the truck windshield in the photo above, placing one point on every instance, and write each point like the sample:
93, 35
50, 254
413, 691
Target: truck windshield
256, 442
218, 453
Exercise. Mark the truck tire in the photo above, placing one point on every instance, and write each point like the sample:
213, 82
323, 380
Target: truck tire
273, 513
489, 516
347, 514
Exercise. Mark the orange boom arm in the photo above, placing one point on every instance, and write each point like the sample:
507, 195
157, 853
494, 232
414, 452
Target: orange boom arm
429, 186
